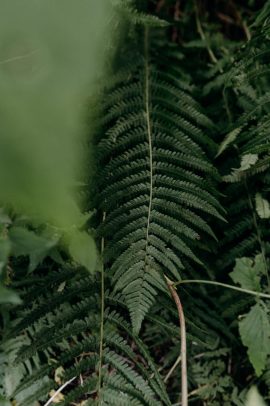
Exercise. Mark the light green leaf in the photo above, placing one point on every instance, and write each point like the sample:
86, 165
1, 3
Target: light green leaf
247, 273
255, 334
26, 242
247, 161
82, 249
4, 218
8, 296
254, 398
262, 207
4, 402
230, 137
5, 247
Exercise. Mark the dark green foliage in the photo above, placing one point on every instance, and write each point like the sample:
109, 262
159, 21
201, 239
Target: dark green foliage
66, 317
156, 184
182, 191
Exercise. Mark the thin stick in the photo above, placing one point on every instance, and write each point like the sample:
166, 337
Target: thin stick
203, 37
59, 390
224, 285
183, 351
172, 368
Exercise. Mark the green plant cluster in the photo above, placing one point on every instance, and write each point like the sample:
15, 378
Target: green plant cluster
180, 197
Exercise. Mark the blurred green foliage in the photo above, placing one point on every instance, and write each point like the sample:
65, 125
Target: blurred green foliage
52, 57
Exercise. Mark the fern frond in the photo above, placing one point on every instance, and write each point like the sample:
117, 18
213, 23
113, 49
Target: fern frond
66, 335
156, 179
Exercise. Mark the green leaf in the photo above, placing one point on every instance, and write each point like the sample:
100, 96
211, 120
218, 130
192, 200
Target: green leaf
247, 273
230, 137
26, 242
4, 218
5, 247
4, 402
254, 398
8, 296
254, 330
247, 161
82, 249
262, 207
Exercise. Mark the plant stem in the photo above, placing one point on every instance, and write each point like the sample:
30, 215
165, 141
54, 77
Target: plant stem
149, 139
183, 351
102, 295
59, 390
172, 368
203, 37
224, 285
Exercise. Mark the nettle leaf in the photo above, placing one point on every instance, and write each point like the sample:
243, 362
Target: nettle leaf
4, 218
262, 207
5, 248
8, 296
248, 161
4, 402
254, 398
82, 249
247, 272
254, 330
26, 242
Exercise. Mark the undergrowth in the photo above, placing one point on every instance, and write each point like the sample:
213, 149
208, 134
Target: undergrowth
180, 194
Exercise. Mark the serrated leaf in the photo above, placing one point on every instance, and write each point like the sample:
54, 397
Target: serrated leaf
248, 161
5, 248
4, 402
254, 330
254, 398
262, 207
247, 273
82, 249
4, 218
26, 242
230, 137
7, 296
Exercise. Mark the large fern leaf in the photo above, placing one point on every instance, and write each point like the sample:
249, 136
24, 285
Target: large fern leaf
156, 178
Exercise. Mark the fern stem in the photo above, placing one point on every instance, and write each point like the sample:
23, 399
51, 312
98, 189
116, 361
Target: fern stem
149, 136
102, 299
177, 362
59, 391
203, 37
183, 352
224, 285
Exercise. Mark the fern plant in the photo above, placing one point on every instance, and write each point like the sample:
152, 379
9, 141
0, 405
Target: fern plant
157, 182
183, 144
61, 325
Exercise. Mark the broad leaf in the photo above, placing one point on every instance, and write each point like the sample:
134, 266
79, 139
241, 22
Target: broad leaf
5, 248
254, 398
247, 273
262, 207
4, 402
82, 249
8, 296
255, 334
26, 242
